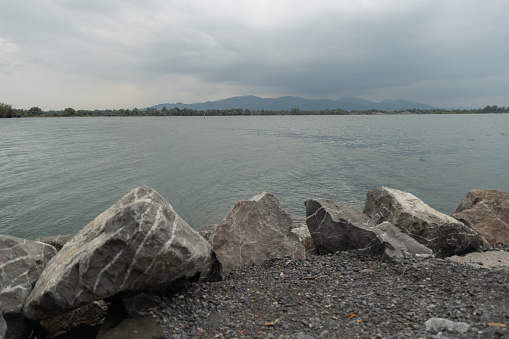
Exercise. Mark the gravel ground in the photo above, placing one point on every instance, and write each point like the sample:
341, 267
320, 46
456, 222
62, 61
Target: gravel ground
342, 296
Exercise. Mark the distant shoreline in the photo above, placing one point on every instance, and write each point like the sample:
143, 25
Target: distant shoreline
35, 112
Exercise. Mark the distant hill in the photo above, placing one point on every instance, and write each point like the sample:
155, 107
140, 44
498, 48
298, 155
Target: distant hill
288, 102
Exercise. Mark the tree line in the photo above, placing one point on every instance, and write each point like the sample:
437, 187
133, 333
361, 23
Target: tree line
6, 111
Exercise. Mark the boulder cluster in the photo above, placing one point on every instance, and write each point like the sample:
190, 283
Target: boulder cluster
140, 249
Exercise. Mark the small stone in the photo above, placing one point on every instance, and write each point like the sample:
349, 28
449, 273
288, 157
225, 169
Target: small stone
438, 324
303, 335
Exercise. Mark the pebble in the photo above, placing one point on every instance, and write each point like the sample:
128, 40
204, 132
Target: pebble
342, 296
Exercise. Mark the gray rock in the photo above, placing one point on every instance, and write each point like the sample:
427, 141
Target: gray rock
494, 332
57, 241
253, 231
487, 212
399, 245
441, 324
334, 227
301, 232
214, 320
138, 244
443, 234
21, 263
90, 314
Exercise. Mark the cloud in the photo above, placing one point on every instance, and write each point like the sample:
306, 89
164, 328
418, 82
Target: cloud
7, 54
133, 53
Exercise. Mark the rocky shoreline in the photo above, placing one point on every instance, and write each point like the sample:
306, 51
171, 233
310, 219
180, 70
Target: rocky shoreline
139, 271
342, 296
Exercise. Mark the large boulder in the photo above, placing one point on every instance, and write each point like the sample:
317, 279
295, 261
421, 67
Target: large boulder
487, 212
445, 235
57, 241
138, 244
253, 231
21, 263
335, 227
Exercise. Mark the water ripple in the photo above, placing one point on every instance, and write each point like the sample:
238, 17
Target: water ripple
56, 175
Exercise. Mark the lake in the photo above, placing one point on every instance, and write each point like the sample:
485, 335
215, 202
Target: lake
58, 174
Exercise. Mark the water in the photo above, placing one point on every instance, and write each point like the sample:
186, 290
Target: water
58, 174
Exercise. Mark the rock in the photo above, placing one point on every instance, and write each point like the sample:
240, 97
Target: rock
21, 263
301, 232
253, 231
91, 314
440, 324
57, 241
214, 320
138, 244
135, 328
443, 234
494, 332
334, 227
136, 305
488, 259
399, 246
487, 212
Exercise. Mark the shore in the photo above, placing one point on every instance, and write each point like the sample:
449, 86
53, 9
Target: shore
343, 296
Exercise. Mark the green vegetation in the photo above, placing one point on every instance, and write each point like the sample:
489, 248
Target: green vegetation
6, 111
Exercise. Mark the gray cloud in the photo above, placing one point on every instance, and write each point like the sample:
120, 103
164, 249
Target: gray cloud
92, 54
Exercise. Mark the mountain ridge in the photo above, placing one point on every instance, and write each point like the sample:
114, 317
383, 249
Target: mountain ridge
286, 103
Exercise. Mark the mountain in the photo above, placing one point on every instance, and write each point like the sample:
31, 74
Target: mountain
288, 102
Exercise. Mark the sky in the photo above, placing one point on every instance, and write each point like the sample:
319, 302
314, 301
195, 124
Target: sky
89, 54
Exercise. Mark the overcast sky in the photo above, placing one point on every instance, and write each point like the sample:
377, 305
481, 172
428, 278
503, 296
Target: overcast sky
137, 53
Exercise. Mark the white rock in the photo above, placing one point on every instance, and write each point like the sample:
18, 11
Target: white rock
138, 244
441, 324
